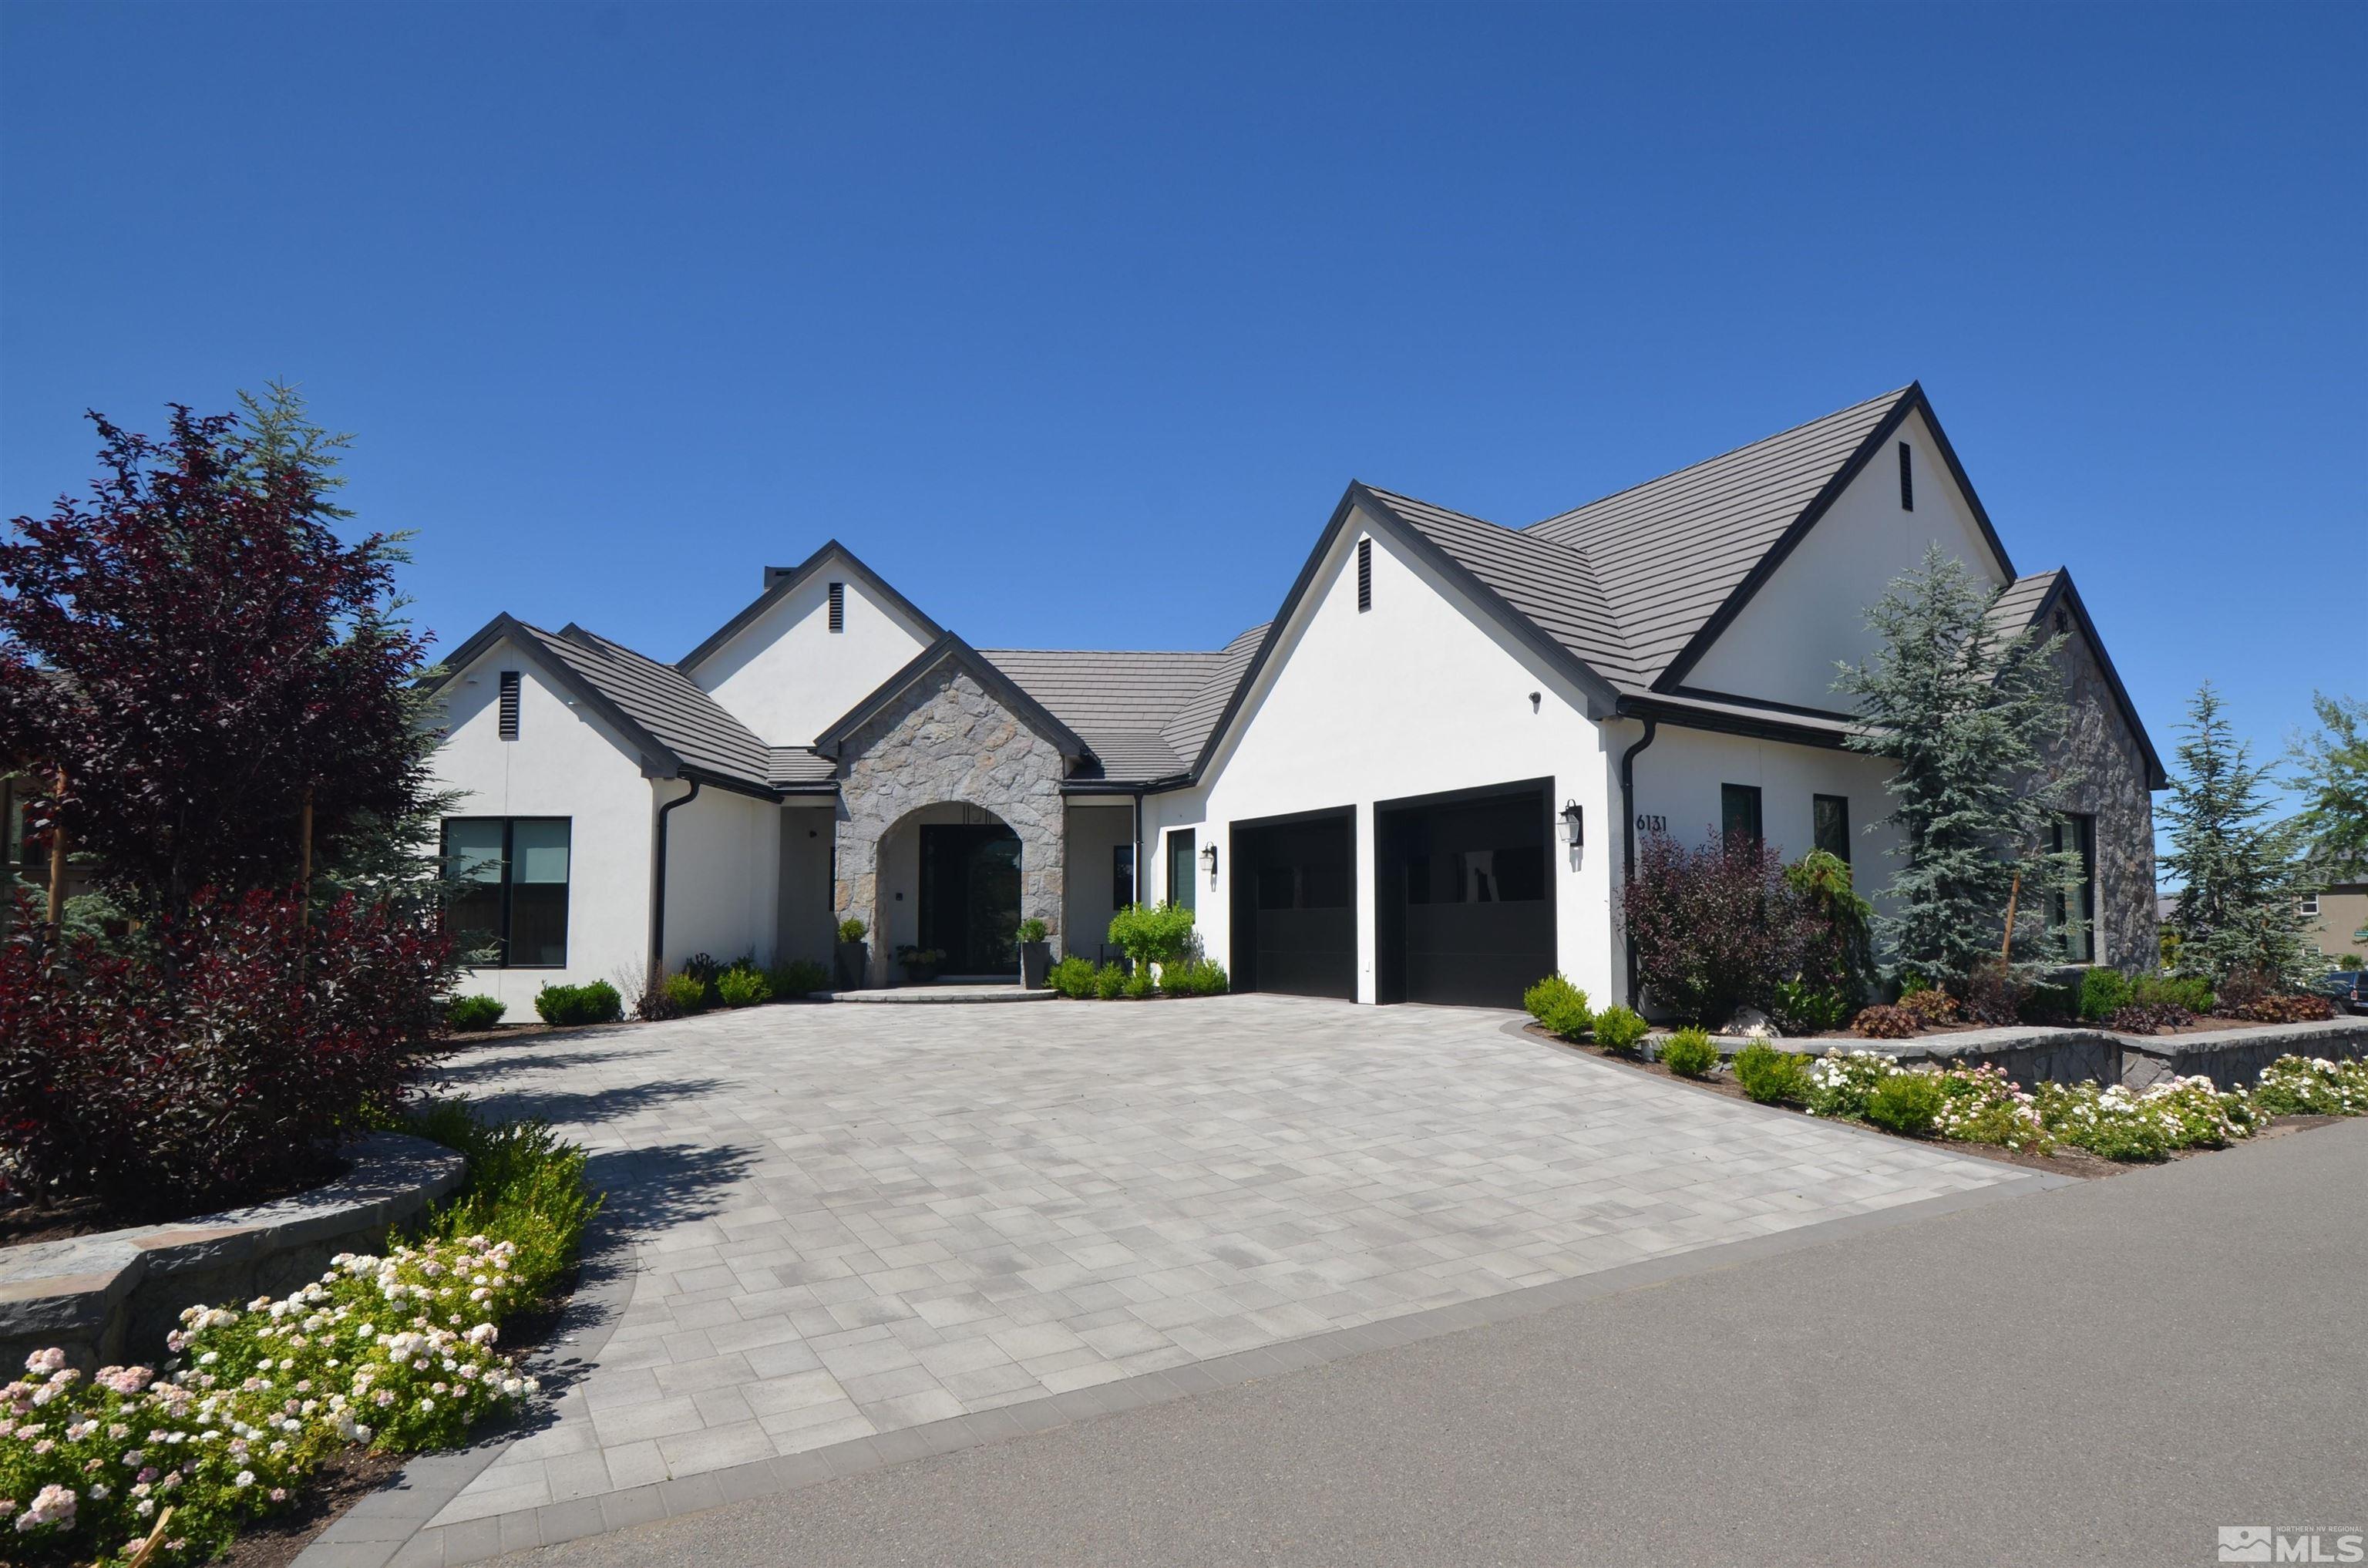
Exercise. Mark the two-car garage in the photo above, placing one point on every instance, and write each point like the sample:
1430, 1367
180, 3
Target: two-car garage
1463, 898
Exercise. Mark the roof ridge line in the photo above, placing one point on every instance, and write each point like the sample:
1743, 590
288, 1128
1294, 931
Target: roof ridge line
1890, 397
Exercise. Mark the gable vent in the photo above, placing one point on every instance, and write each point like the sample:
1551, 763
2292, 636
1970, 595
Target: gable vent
1364, 575
1906, 482
509, 720
839, 607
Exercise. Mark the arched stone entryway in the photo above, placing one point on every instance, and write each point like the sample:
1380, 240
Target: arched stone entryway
946, 753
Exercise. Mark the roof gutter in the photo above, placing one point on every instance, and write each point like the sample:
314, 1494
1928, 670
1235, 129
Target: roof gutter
1628, 841
658, 885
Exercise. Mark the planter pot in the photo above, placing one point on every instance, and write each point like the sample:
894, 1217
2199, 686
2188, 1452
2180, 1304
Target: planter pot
854, 963
918, 974
1035, 963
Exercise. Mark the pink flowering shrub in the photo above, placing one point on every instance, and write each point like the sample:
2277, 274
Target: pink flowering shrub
396, 1352
218, 1052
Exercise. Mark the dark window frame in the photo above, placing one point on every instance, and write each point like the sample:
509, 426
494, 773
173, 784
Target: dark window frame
1817, 834
502, 936
1906, 479
1189, 840
1729, 797
2084, 824
1121, 875
1364, 575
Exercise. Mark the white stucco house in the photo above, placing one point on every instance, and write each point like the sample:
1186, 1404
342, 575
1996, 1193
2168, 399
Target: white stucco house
1421, 780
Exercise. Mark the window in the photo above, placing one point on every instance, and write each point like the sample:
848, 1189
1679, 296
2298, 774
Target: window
1906, 481
1121, 875
1738, 815
2307, 905
1829, 825
839, 607
1364, 575
1183, 885
512, 899
509, 720
2073, 914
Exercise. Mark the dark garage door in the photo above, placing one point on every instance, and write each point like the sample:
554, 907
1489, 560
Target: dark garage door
1294, 906
1466, 911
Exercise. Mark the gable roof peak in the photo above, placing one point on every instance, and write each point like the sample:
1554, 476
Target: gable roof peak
782, 581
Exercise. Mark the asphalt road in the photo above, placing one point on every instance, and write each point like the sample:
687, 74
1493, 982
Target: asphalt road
2100, 1374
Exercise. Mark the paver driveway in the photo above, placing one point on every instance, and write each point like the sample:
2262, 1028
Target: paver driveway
844, 1222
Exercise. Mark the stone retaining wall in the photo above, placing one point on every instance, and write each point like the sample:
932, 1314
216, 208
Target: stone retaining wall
2230, 1058
113, 1297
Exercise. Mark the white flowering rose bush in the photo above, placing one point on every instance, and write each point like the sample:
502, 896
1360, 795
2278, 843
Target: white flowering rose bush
2295, 1085
399, 1352
2146, 1124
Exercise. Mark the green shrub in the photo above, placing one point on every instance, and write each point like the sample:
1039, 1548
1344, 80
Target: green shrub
2103, 993
1072, 977
1194, 977
524, 1186
1619, 1028
1690, 1054
799, 977
1138, 985
1152, 933
686, 992
1031, 930
1806, 1008
2192, 992
596, 1003
852, 930
1772, 1076
474, 1012
1109, 982
743, 988
1559, 1005
1906, 1102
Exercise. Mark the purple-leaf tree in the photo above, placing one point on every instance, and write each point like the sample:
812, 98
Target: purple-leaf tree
199, 652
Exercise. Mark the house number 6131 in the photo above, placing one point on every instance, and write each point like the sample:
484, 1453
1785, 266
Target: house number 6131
1651, 823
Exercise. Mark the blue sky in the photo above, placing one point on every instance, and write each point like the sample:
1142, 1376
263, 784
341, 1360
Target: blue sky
1074, 321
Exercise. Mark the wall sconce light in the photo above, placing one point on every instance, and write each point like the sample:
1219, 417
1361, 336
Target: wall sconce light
1209, 858
1574, 825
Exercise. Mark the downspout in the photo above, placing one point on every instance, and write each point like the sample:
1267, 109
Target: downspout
1138, 849
1628, 839
658, 888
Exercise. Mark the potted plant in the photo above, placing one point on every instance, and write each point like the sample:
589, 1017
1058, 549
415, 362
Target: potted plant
1035, 954
920, 964
854, 959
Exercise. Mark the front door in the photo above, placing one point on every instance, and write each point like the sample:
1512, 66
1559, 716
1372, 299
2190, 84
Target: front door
970, 896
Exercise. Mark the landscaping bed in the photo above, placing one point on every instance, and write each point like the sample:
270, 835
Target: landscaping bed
274, 1412
2075, 1129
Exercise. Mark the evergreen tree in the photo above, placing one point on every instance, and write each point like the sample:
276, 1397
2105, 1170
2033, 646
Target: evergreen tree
1970, 717
2331, 777
2238, 920
381, 852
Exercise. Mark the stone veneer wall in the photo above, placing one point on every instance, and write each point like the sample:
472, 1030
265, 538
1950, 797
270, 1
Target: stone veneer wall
947, 740
2113, 788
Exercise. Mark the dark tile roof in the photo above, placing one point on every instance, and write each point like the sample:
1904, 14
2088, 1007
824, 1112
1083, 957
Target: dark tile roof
1668, 553
1122, 704
1188, 732
801, 768
1552, 584
662, 701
